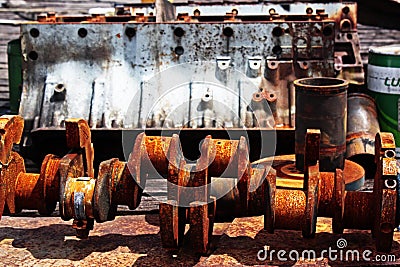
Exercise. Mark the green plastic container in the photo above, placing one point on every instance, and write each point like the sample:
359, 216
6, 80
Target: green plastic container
384, 85
14, 74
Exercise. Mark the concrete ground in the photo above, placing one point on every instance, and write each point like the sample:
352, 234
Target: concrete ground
133, 240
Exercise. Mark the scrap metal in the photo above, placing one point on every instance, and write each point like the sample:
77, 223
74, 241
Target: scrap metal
268, 44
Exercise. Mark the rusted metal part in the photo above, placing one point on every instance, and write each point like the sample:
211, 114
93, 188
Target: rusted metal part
385, 191
353, 178
88, 199
39, 191
79, 137
231, 160
289, 176
223, 170
312, 146
257, 191
326, 194
295, 209
297, 44
310, 220
386, 220
135, 159
9, 175
359, 210
292, 209
199, 226
375, 211
318, 99
11, 128
289, 209
11, 132
114, 186
172, 224
78, 204
339, 196
362, 126
71, 165
157, 148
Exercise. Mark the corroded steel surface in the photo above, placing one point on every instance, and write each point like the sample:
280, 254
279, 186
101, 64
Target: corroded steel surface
298, 40
11, 164
289, 176
222, 161
42, 191
196, 199
375, 211
290, 209
295, 208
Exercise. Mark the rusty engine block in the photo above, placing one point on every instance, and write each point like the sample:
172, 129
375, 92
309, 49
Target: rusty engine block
255, 52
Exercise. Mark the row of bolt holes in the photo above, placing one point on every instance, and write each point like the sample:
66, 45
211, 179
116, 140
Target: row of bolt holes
179, 32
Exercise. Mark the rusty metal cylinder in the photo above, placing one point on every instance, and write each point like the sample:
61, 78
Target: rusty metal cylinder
290, 208
29, 191
321, 103
156, 151
362, 126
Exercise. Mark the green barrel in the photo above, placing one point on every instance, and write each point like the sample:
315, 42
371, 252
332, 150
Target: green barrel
384, 85
14, 74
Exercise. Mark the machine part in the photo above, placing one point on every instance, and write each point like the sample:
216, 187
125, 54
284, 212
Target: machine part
362, 126
11, 132
220, 178
375, 211
288, 176
114, 186
122, 183
318, 99
383, 84
77, 201
86, 199
41, 191
225, 51
295, 209
296, 45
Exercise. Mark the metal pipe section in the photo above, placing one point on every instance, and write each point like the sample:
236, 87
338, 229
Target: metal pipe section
321, 103
362, 126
